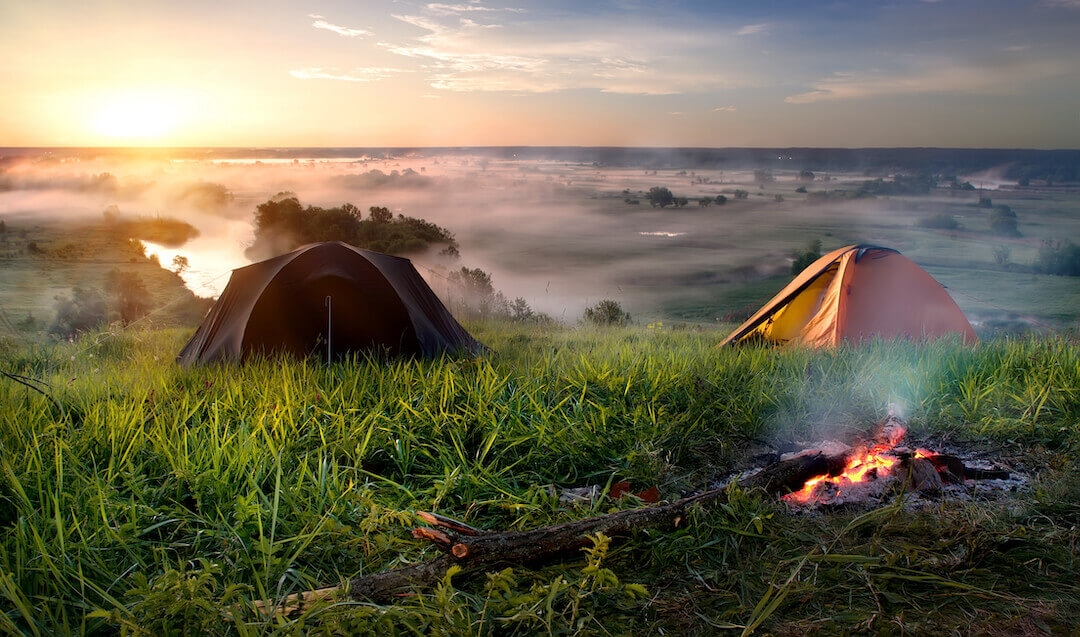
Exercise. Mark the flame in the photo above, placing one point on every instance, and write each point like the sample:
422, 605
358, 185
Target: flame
863, 466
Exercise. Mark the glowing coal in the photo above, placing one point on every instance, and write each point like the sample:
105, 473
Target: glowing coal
869, 472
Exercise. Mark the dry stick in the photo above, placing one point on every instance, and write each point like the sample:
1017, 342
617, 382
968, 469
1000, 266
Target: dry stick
474, 550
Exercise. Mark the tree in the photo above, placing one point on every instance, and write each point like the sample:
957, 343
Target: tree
720, 200
180, 264
473, 280
763, 176
381, 214
1001, 254
84, 310
741, 194
1003, 221
681, 201
1055, 257
3, 227
705, 202
131, 299
806, 175
520, 310
660, 196
606, 312
802, 260
352, 211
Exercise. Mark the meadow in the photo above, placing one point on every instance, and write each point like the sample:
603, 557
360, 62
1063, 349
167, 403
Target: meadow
142, 498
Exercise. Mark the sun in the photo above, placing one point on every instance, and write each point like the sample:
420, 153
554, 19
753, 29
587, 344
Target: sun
134, 117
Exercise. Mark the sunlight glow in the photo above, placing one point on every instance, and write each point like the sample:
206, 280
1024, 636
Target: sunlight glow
135, 116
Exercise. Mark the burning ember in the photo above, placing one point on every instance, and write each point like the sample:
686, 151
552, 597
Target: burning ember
863, 466
840, 474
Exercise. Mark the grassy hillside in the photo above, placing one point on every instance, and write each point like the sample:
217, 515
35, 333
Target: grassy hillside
50, 258
153, 499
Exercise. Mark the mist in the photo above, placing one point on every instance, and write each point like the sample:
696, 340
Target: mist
559, 231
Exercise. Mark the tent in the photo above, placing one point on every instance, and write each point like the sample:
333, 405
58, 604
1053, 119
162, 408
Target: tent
856, 293
292, 303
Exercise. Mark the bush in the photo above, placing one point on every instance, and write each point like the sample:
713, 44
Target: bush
939, 222
85, 310
130, 297
606, 312
1003, 222
802, 260
660, 196
1055, 257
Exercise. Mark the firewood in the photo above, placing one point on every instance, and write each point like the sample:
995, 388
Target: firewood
483, 551
923, 476
475, 550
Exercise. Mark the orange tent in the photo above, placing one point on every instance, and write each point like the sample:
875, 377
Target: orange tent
856, 293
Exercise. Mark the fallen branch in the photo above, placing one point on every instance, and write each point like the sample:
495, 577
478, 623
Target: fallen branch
475, 550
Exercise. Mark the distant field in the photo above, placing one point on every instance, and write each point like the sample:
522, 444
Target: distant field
698, 264
562, 235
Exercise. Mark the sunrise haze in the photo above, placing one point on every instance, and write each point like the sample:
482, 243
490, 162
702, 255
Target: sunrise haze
960, 73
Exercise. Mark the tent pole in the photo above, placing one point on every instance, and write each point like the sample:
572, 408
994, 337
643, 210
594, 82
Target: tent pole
328, 302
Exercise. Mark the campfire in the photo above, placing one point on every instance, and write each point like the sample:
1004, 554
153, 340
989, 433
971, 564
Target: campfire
872, 469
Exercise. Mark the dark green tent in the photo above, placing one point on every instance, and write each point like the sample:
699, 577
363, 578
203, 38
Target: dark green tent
326, 297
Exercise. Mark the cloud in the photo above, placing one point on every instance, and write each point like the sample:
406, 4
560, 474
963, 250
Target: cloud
1068, 4
355, 75
438, 7
724, 109
940, 78
320, 23
1018, 47
753, 29
459, 54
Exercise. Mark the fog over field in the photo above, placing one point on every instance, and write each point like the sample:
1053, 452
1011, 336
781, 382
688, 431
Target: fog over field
562, 232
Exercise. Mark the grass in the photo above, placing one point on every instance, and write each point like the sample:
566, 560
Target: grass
162, 500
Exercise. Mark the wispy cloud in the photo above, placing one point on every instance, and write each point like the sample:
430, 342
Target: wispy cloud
753, 29
362, 74
439, 7
459, 54
1070, 4
939, 78
320, 23
724, 109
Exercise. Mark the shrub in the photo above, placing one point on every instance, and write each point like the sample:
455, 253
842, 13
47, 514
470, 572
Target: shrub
607, 312
1058, 258
939, 222
85, 310
802, 260
660, 196
1003, 221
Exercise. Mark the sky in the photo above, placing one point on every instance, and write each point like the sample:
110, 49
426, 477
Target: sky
373, 73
